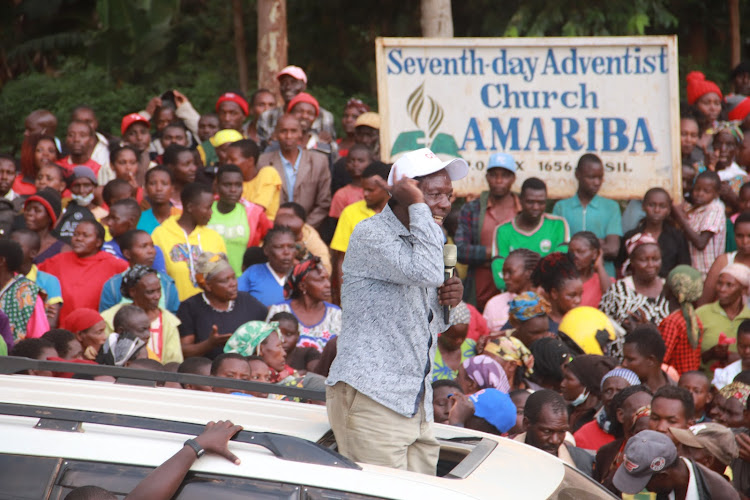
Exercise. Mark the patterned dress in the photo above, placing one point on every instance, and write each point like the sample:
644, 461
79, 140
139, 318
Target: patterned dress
622, 299
441, 371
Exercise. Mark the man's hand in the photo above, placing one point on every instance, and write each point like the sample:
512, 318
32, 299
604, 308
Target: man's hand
218, 339
462, 409
153, 104
451, 292
179, 98
215, 437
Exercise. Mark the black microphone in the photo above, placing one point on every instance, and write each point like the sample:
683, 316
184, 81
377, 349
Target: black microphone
450, 257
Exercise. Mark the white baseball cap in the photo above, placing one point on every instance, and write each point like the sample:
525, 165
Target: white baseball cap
424, 162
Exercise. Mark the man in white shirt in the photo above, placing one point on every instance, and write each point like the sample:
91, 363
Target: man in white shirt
725, 376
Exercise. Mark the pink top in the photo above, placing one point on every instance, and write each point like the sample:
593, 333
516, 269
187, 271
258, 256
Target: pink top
343, 198
592, 291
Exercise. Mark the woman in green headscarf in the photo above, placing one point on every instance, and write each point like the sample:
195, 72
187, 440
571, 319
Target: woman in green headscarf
682, 330
258, 338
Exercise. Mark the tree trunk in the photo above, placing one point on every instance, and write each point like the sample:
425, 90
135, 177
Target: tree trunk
272, 43
437, 18
239, 43
734, 32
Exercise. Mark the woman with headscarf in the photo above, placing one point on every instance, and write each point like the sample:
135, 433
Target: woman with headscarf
638, 297
258, 338
517, 269
513, 356
528, 314
729, 405
307, 291
89, 328
724, 315
600, 430
208, 319
141, 284
682, 331
482, 372
41, 212
453, 347
581, 387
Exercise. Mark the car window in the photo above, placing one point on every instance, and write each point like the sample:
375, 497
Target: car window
578, 486
310, 493
23, 477
121, 479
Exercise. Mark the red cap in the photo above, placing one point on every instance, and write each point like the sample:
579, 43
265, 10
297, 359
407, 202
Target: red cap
740, 112
303, 97
81, 319
130, 119
698, 86
235, 98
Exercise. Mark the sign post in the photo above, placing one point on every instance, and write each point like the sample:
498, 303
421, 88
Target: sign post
546, 101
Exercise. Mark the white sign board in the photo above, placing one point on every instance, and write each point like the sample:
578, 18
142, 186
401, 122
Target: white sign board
546, 101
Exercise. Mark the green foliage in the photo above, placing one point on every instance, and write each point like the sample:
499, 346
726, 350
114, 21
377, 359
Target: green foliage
589, 18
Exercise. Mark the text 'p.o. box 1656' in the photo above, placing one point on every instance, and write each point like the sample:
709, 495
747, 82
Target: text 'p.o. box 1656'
546, 101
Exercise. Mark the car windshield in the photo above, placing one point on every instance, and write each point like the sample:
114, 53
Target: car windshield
578, 486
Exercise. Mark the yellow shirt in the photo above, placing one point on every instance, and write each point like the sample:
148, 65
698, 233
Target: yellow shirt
181, 253
265, 190
350, 217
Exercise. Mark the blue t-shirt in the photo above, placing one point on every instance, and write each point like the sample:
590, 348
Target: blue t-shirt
148, 221
51, 285
258, 281
601, 216
112, 247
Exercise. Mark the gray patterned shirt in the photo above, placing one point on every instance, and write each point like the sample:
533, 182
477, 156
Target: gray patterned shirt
391, 314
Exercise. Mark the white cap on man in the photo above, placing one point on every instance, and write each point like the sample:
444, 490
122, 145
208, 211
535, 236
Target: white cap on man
423, 162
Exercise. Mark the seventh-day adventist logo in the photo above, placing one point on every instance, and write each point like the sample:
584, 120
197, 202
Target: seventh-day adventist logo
428, 136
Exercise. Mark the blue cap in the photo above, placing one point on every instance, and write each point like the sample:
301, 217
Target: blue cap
502, 160
496, 408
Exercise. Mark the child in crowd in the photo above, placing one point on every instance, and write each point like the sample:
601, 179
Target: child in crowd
241, 223
159, 192
302, 359
689, 135
357, 161
703, 221
586, 252
124, 162
725, 376
657, 204
181, 163
699, 386
261, 185
123, 217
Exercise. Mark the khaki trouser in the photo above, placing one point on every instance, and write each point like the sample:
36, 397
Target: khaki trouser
369, 432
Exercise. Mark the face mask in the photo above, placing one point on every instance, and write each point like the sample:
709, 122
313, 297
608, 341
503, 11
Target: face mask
83, 201
581, 398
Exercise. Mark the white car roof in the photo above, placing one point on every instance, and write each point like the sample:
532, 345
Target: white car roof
512, 469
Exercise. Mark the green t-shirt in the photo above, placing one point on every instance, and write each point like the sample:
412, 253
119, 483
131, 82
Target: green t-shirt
234, 229
552, 235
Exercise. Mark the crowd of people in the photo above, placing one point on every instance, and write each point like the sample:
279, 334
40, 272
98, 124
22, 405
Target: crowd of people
233, 243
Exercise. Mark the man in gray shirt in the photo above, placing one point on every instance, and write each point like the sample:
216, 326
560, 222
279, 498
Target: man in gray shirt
379, 396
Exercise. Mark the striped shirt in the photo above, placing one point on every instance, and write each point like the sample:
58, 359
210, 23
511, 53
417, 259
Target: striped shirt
710, 218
